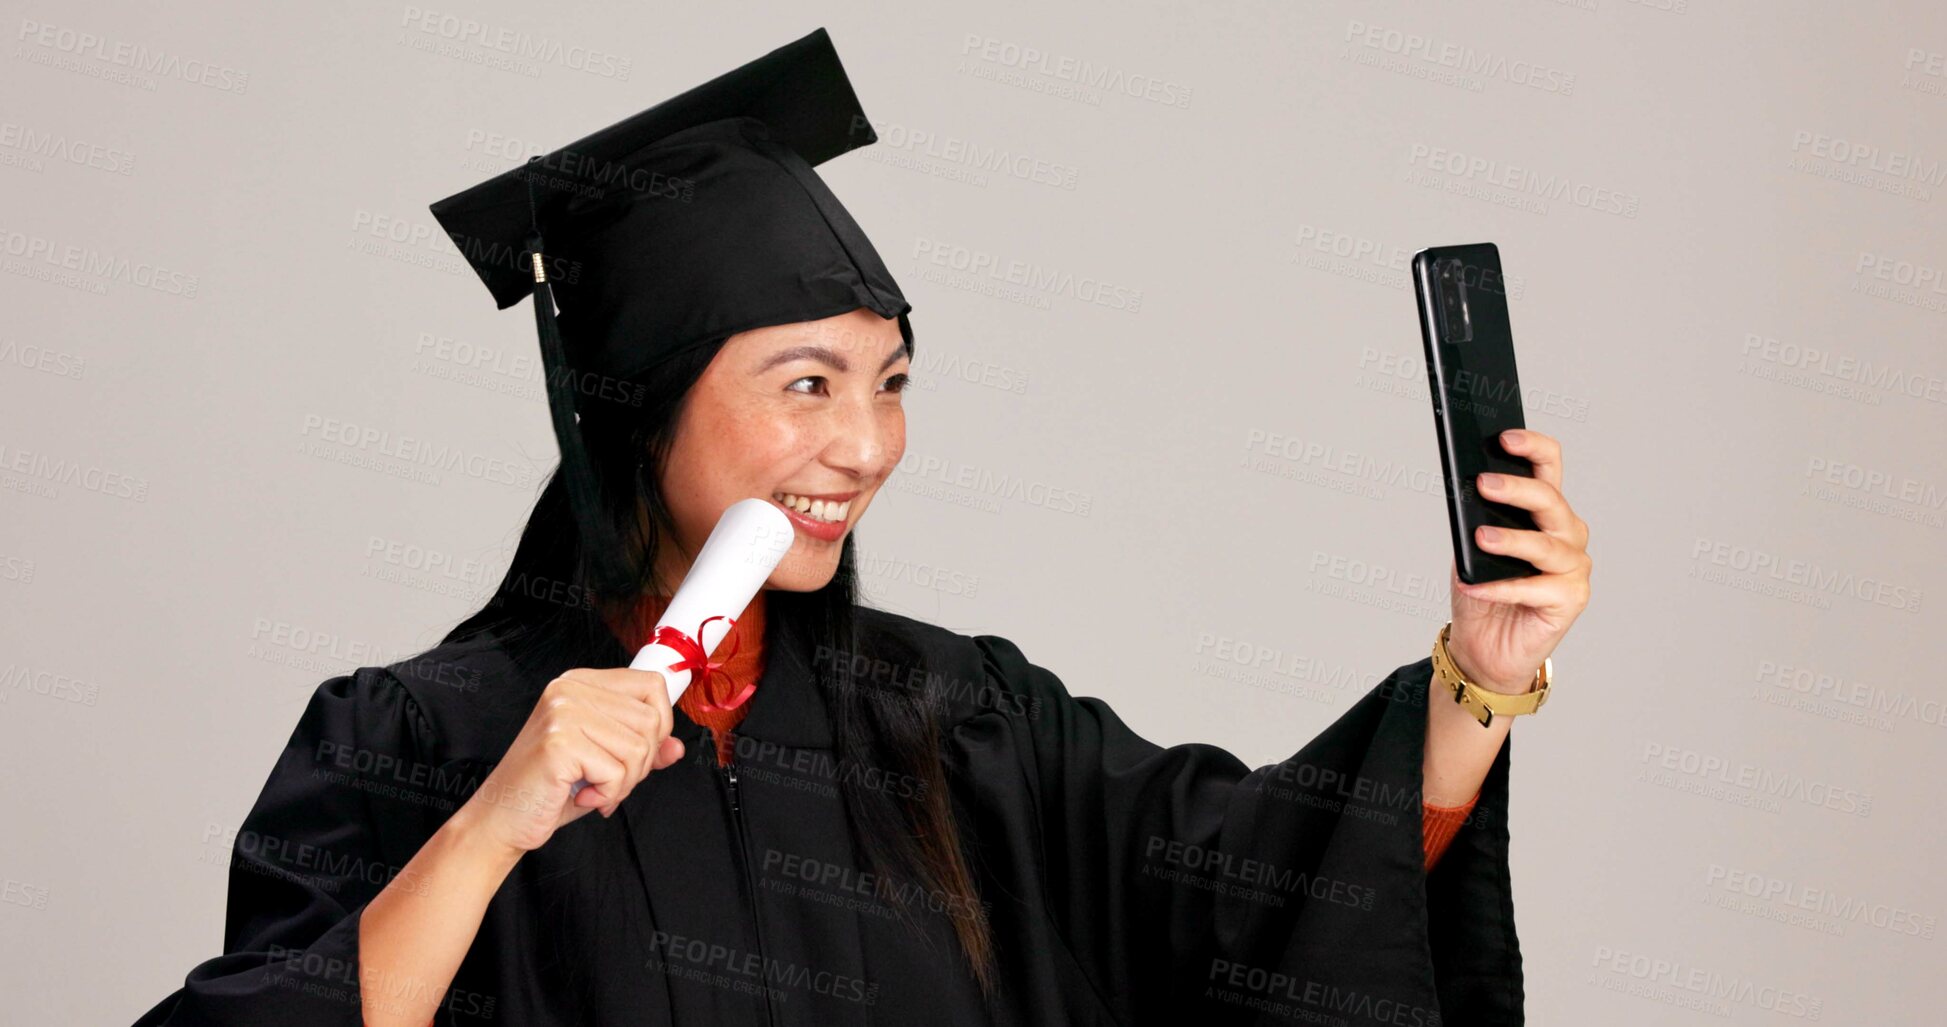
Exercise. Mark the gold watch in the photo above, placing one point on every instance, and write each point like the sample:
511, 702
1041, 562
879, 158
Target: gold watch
1483, 703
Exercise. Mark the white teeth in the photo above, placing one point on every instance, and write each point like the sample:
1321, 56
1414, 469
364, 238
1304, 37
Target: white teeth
816, 509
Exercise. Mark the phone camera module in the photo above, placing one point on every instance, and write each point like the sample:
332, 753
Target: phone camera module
1451, 284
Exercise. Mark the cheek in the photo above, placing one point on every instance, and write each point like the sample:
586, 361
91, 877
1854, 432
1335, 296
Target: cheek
754, 449
895, 436
712, 464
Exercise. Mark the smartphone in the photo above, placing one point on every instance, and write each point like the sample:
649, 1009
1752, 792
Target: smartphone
1463, 303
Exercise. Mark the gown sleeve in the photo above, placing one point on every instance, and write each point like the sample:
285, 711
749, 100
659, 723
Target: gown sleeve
1186, 884
338, 817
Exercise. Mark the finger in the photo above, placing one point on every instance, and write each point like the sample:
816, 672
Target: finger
1543, 451
1543, 500
669, 753
604, 773
640, 765
1549, 593
625, 729
623, 744
634, 714
645, 686
640, 687
573, 698
1548, 553
614, 730
647, 726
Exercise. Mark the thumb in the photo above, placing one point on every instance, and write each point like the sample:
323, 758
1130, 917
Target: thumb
669, 753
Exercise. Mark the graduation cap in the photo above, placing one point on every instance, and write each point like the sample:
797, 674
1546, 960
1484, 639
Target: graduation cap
691, 221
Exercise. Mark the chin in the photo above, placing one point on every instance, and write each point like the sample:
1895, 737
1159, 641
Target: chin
801, 573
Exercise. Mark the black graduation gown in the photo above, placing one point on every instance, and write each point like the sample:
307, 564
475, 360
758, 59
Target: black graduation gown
1125, 882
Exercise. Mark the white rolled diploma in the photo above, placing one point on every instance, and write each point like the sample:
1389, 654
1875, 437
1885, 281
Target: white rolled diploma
738, 557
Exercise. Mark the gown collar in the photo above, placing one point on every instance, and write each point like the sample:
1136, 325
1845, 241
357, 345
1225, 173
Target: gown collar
786, 709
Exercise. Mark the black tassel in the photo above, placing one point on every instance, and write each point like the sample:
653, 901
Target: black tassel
601, 551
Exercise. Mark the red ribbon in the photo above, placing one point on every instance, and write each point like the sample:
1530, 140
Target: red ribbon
698, 663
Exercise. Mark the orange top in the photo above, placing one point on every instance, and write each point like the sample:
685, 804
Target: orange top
1438, 824
745, 665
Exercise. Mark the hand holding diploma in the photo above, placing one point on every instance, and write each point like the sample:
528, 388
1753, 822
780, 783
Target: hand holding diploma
597, 733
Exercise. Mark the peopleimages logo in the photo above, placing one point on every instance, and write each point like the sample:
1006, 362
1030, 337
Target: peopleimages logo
1687, 985
514, 44
1870, 157
31, 144
414, 454
77, 45
949, 149
1455, 57
1524, 181
1820, 580
1796, 897
36, 256
1073, 70
743, 970
1754, 780
1031, 278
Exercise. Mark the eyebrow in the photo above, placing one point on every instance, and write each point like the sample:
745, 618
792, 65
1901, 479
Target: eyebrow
825, 356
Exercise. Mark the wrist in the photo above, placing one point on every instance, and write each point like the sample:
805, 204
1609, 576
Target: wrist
470, 833
1467, 666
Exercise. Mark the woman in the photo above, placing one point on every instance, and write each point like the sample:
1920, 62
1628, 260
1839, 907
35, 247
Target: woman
898, 823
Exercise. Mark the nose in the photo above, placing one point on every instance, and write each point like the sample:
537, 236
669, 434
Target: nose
857, 438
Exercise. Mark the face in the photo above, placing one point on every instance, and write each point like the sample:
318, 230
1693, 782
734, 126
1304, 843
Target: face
805, 415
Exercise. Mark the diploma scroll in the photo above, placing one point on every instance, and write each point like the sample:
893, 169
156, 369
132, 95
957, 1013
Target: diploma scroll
738, 557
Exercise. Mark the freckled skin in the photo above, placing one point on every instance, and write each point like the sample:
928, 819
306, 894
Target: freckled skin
801, 426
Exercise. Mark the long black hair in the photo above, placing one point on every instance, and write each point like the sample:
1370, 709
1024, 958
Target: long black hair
553, 607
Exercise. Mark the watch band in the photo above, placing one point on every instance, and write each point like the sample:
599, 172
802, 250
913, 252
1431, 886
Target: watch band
1484, 704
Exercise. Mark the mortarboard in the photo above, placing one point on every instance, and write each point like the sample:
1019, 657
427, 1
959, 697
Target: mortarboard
686, 223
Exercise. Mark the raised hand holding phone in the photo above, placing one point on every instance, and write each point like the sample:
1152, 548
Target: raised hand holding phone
1521, 561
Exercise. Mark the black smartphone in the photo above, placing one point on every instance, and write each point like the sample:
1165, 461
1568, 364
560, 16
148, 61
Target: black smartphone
1463, 301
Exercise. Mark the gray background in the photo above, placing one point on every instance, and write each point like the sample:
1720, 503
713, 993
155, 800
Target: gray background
1170, 419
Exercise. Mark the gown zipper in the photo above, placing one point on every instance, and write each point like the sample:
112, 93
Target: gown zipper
731, 792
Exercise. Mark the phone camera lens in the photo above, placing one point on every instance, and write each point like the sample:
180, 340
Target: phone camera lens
1453, 302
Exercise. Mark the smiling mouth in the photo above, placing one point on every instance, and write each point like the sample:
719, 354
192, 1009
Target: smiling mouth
828, 511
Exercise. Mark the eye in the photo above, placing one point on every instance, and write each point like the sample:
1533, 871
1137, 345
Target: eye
807, 378
898, 382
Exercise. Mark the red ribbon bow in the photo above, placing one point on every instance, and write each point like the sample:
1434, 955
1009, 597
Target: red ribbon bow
696, 661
